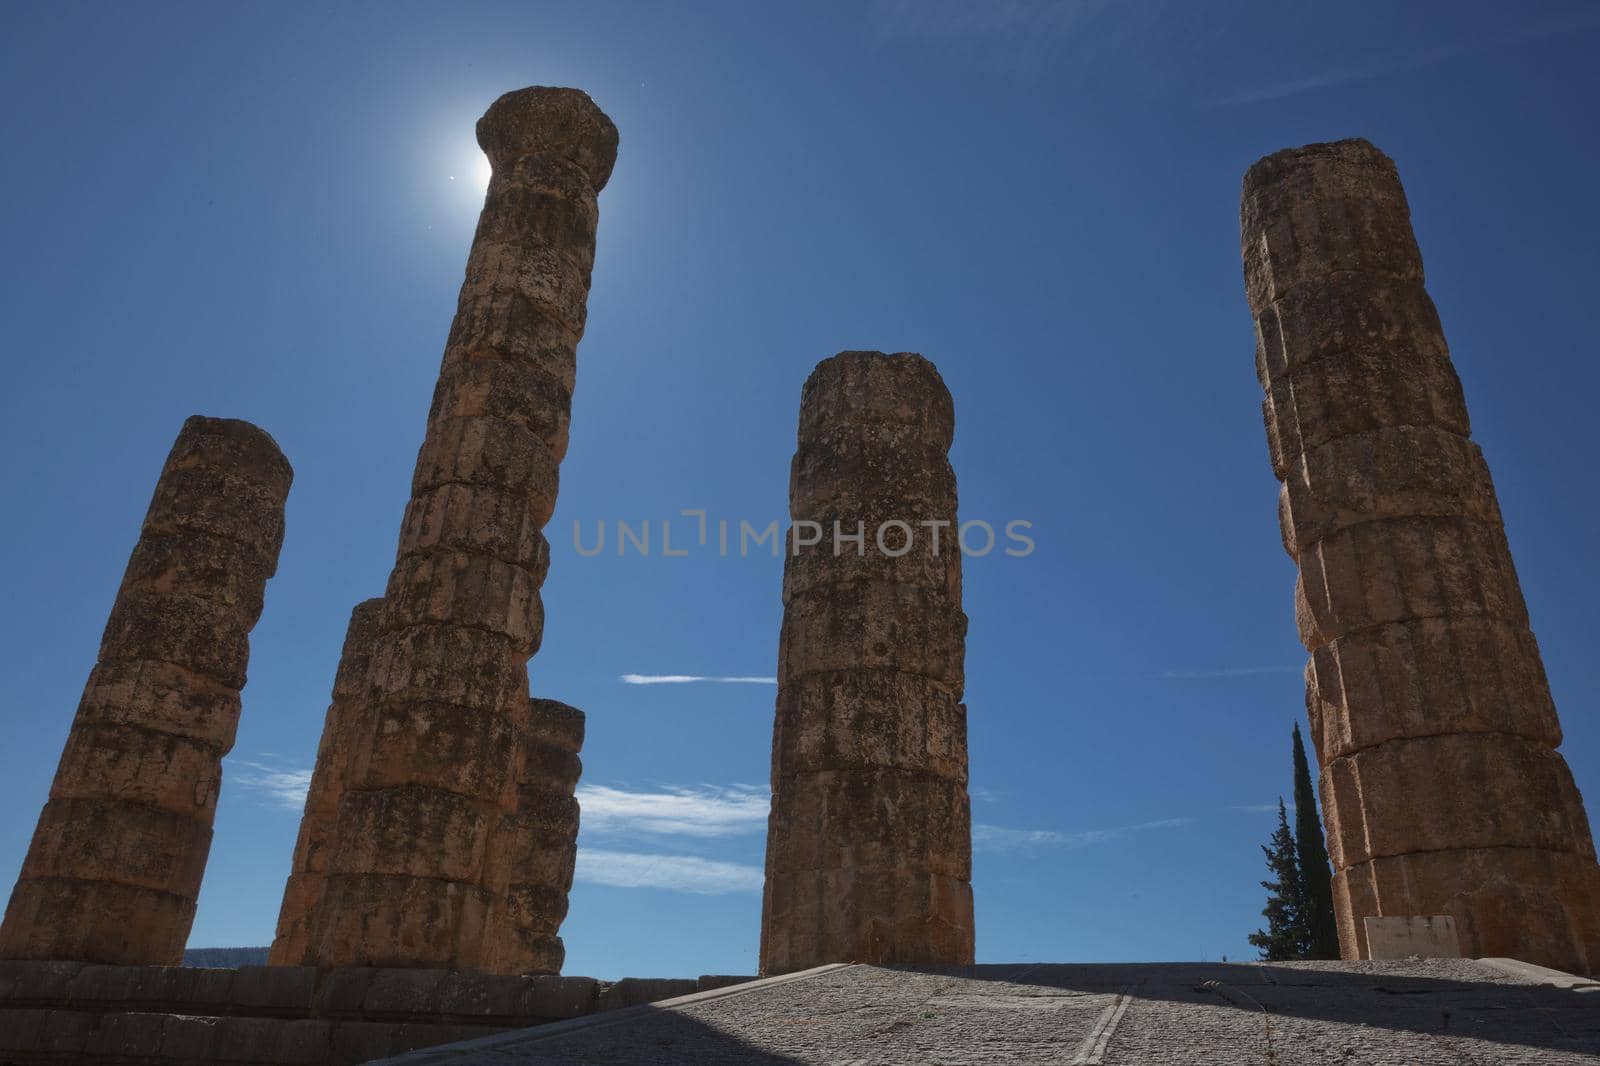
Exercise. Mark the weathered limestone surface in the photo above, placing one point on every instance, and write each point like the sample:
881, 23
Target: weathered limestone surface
1441, 786
869, 845
115, 864
409, 879
535, 846
68, 1012
344, 732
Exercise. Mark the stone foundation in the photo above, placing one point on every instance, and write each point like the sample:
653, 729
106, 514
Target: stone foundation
56, 1012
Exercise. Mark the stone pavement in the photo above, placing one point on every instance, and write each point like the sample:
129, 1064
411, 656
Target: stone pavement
1462, 1012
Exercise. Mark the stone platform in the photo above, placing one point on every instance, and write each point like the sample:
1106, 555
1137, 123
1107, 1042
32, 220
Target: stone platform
1463, 1012
57, 1012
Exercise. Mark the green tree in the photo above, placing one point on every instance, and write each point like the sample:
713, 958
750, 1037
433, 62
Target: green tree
1285, 936
1315, 874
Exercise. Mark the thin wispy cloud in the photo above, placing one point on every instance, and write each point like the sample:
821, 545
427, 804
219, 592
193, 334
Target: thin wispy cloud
278, 787
1001, 838
698, 811
677, 873
689, 679
1399, 62
1018, 36
1229, 671
1259, 808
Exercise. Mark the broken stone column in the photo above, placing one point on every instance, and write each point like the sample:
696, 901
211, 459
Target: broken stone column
1441, 786
410, 882
536, 846
869, 843
115, 864
344, 733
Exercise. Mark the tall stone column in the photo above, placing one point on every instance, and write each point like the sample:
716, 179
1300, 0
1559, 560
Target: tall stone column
344, 732
1441, 786
410, 881
869, 843
536, 846
115, 864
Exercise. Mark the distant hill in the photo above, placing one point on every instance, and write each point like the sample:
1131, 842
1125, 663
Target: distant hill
224, 958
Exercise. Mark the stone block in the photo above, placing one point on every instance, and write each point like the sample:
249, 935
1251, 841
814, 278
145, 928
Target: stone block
1400, 472
1398, 569
637, 991
302, 1042
124, 1037
551, 766
873, 626
435, 663
879, 469
437, 746
482, 995
49, 918
538, 204
1387, 325
202, 564
104, 841
1459, 790
385, 920
343, 992
492, 455
474, 519
878, 819
66, 1034
23, 1031
470, 590
356, 1041
242, 1039
557, 723
1356, 393
1468, 674
894, 549
525, 394
163, 697
1321, 210
412, 830
541, 125
403, 993
275, 989
552, 998
189, 1038
861, 387
866, 720
507, 325
154, 769
549, 279
1412, 936
220, 504
39, 981
524, 950
193, 632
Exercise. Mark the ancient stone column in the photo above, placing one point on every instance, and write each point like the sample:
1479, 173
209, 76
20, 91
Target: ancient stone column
115, 864
536, 845
1441, 786
410, 882
344, 733
869, 843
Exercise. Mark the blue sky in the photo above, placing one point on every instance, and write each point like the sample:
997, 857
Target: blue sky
264, 212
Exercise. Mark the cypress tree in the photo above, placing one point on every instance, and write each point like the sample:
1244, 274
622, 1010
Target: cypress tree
1321, 931
1286, 935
